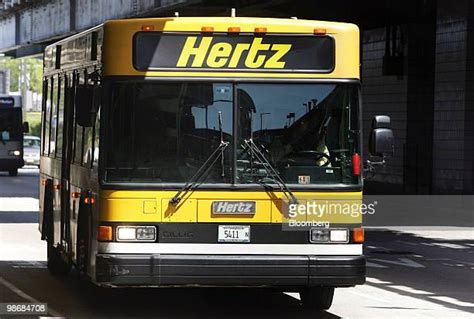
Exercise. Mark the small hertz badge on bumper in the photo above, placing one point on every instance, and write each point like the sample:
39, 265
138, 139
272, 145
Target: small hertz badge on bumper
234, 207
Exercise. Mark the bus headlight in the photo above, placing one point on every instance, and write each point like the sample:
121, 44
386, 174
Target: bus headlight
319, 235
325, 235
339, 236
136, 233
14, 153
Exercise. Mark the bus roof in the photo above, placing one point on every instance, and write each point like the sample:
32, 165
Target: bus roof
119, 58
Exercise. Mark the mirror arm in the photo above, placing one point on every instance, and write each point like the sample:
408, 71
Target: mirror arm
371, 166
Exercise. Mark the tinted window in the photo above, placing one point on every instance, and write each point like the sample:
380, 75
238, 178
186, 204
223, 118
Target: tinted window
302, 129
10, 124
47, 116
79, 130
164, 132
54, 117
59, 143
31, 142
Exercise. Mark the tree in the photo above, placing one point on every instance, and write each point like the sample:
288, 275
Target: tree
34, 69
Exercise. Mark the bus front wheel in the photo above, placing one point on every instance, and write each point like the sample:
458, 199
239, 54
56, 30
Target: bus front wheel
13, 172
316, 298
56, 264
83, 239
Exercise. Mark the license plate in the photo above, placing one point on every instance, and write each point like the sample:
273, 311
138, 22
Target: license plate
234, 234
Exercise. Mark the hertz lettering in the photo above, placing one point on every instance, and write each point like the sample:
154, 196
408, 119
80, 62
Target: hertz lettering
222, 207
219, 52
227, 55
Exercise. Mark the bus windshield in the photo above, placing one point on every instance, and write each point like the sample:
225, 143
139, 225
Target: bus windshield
10, 124
163, 132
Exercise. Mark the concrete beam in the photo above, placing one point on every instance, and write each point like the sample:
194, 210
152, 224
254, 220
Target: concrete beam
46, 21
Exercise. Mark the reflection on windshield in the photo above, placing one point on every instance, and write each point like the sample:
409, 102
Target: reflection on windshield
10, 124
308, 132
31, 142
163, 132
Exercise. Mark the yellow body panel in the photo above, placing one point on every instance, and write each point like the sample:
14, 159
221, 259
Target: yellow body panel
185, 211
128, 206
119, 34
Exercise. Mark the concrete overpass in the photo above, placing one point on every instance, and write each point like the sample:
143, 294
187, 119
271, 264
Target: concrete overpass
26, 26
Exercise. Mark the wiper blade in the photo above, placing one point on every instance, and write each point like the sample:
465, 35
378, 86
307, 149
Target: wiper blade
201, 172
257, 153
205, 167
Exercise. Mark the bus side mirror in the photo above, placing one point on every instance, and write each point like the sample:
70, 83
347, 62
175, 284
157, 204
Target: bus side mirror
381, 141
26, 127
87, 104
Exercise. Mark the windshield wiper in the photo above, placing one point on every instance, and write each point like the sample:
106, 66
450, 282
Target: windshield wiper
204, 169
258, 154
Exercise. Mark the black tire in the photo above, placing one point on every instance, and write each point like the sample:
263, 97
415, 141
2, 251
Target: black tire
56, 264
82, 248
13, 172
315, 299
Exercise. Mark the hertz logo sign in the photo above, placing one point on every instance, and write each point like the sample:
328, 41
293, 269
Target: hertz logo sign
222, 52
227, 55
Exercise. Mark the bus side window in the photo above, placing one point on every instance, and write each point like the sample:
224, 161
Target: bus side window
60, 122
96, 139
95, 153
54, 117
88, 139
46, 114
71, 86
79, 130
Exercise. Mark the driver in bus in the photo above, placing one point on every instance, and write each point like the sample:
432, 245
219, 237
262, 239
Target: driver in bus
4, 132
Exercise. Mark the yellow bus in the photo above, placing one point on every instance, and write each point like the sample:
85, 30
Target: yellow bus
192, 151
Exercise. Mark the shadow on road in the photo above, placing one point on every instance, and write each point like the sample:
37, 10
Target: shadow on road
73, 297
425, 268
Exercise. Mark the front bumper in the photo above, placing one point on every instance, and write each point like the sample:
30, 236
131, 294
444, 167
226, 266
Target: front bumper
229, 270
7, 164
31, 160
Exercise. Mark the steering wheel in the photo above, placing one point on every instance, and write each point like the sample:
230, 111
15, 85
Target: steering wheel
315, 155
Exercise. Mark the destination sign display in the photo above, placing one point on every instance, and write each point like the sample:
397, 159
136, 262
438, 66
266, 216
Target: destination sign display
7, 102
222, 52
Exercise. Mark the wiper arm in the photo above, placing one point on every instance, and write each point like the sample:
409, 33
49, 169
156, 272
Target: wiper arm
270, 170
201, 172
204, 169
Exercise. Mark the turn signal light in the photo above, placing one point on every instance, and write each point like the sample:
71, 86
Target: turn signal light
105, 233
358, 235
319, 31
75, 194
260, 30
148, 27
57, 187
233, 30
207, 29
89, 200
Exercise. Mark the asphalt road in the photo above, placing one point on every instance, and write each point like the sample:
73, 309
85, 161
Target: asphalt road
413, 273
